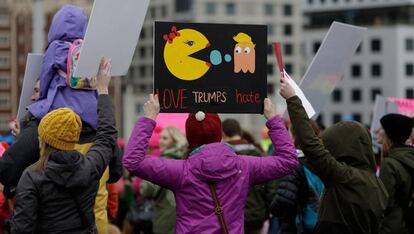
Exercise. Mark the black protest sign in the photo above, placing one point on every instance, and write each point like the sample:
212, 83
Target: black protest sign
217, 68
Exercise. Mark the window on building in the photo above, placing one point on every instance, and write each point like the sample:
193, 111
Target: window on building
4, 19
409, 69
409, 93
270, 29
376, 45
356, 71
270, 70
210, 8
4, 102
269, 49
230, 8
183, 5
4, 80
359, 48
287, 29
269, 9
316, 46
164, 11
4, 60
142, 34
357, 117
142, 71
374, 93
376, 70
356, 95
4, 40
337, 117
287, 10
142, 52
287, 49
270, 89
337, 95
409, 44
289, 68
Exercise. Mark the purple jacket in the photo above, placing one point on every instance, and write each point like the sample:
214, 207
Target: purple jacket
68, 24
216, 162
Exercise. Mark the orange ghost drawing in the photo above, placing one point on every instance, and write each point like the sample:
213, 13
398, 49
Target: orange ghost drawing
244, 54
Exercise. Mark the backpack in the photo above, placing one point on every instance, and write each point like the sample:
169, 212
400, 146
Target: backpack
308, 216
71, 62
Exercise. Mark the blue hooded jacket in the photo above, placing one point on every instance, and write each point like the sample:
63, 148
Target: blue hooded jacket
68, 24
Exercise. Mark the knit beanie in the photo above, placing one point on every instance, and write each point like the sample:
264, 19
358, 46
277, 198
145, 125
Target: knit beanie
60, 129
397, 127
202, 130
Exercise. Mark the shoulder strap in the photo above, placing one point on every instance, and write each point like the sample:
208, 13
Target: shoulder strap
218, 209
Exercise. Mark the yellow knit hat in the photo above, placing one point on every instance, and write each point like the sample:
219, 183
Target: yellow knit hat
60, 128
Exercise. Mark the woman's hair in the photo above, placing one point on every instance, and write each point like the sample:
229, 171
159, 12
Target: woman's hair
179, 140
386, 145
45, 152
250, 139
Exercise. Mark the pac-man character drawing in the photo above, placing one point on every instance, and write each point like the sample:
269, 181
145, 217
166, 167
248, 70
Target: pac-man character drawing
179, 47
244, 54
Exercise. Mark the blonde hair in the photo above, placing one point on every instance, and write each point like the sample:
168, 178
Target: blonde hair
386, 146
178, 137
45, 151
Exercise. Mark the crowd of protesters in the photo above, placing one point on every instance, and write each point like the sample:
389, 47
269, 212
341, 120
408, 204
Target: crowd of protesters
67, 171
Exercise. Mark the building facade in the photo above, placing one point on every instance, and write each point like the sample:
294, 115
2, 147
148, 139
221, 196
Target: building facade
383, 63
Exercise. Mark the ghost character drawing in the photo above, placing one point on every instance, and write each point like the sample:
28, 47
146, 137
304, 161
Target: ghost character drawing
244, 54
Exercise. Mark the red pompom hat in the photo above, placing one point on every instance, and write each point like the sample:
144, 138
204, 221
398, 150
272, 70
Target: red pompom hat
202, 129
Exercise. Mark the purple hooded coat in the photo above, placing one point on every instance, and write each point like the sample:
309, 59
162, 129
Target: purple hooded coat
216, 162
68, 24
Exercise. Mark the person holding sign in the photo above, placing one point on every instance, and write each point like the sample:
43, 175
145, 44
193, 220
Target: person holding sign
212, 184
57, 193
68, 25
396, 172
354, 199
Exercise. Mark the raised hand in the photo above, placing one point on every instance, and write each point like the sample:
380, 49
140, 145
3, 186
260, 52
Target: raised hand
269, 110
152, 107
286, 90
104, 76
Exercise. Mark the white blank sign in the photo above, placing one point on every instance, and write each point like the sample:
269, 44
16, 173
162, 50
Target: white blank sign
113, 31
329, 63
31, 74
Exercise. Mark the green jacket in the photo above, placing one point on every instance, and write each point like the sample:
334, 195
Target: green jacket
164, 216
395, 174
256, 209
354, 199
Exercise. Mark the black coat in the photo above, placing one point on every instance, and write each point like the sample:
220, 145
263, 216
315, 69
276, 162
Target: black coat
291, 196
25, 151
60, 198
21, 154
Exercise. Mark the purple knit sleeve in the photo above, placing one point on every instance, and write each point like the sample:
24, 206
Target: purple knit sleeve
164, 172
263, 169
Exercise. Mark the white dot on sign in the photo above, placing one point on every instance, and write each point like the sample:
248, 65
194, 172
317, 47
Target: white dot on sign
227, 58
